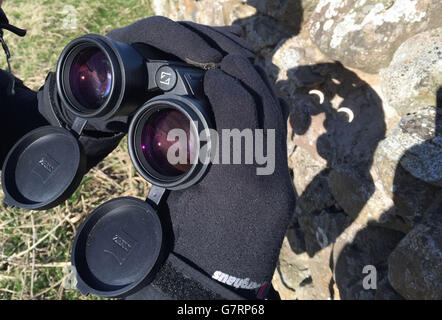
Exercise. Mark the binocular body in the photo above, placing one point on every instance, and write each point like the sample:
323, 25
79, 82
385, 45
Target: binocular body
121, 244
98, 79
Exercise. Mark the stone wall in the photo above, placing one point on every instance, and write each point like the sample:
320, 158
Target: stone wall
365, 142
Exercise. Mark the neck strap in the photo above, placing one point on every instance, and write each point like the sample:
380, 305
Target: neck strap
4, 24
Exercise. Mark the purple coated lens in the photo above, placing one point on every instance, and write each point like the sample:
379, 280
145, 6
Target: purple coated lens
155, 145
90, 78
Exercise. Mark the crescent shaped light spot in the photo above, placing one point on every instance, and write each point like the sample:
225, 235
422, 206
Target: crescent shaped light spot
349, 113
319, 94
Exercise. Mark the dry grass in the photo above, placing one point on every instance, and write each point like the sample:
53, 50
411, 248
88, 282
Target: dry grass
34, 245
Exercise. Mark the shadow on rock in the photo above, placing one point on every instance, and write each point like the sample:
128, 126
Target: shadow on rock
363, 198
337, 122
402, 266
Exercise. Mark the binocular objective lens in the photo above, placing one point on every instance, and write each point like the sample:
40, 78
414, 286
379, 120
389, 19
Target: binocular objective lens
170, 153
90, 78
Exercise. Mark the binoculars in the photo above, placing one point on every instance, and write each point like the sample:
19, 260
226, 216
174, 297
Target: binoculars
121, 243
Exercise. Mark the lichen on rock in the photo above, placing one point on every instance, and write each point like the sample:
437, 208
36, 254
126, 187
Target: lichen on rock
364, 34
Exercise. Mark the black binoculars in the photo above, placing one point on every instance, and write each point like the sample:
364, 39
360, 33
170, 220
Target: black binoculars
97, 79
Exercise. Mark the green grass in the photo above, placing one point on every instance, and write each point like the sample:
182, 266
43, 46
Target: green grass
35, 245
38, 52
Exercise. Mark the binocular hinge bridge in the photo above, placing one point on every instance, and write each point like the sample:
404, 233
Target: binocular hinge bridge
156, 194
78, 126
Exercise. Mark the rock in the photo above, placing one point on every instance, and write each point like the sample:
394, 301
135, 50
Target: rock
219, 13
400, 199
292, 270
385, 291
284, 292
354, 120
263, 32
325, 139
290, 145
284, 61
318, 285
424, 160
306, 253
352, 126
175, 10
303, 277
322, 228
295, 236
366, 161
415, 266
351, 191
415, 74
408, 188
411, 197
365, 199
413, 130
364, 34
291, 13
311, 182
347, 126
356, 248
307, 127
317, 196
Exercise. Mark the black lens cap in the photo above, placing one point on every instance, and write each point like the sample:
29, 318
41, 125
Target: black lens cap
43, 169
117, 248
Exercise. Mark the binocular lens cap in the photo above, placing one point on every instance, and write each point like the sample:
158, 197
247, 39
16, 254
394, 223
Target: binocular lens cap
117, 248
43, 169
